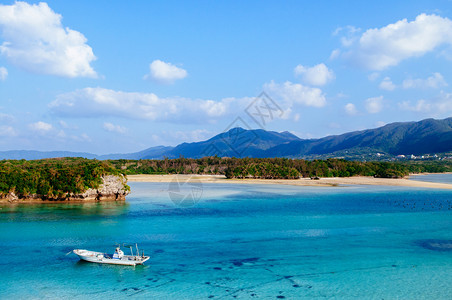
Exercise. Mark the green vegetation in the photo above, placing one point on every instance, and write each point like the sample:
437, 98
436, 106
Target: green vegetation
60, 178
428, 166
271, 168
52, 178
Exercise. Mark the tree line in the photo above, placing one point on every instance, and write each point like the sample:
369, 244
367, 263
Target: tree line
277, 168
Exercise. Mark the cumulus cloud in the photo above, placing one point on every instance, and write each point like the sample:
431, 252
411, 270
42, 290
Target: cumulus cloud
317, 75
114, 128
35, 40
294, 93
374, 105
350, 109
348, 35
165, 72
3, 73
387, 84
40, 127
438, 106
381, 48
435, 81
94, 102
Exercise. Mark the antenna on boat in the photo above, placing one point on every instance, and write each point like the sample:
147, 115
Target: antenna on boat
131, 249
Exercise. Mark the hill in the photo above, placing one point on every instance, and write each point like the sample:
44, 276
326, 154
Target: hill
428, 136
423, 137
236, 142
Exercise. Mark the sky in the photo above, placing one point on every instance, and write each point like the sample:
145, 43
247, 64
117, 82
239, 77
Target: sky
122, 76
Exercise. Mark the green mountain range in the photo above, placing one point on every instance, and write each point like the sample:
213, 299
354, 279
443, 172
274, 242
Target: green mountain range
428, 136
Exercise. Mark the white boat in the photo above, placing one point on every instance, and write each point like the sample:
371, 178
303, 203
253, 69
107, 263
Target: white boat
118, 258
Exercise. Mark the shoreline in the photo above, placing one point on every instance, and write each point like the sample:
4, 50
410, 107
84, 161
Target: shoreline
322, 182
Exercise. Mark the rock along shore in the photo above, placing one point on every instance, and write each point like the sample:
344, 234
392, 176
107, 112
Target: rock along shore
113, 188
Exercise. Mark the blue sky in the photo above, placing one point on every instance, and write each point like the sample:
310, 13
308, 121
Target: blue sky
122, 76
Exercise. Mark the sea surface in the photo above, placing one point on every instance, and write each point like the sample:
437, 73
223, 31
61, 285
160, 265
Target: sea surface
441, 178
236, 241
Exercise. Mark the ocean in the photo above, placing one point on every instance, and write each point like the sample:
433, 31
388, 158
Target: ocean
236, 242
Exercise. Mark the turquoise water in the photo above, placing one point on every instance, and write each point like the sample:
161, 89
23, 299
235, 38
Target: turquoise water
239, 241
441, 178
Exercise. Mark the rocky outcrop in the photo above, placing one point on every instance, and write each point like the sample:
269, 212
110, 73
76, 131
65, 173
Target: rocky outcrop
113, 188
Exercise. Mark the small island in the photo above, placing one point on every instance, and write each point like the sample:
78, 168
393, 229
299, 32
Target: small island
59, 180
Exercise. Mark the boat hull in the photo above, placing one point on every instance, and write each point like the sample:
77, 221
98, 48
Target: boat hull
101, 258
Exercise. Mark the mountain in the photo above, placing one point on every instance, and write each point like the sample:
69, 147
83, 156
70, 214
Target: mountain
424, 137
236, 142
154, 152
31, 154
150, 153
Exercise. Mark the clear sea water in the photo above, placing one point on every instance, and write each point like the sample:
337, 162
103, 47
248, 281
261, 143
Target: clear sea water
442, 178
238, 241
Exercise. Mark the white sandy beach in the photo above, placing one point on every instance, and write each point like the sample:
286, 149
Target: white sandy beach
332, 181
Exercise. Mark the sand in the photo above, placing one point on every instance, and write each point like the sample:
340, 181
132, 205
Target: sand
333, 181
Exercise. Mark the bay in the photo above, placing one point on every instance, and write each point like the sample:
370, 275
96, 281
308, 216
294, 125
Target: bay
238, 241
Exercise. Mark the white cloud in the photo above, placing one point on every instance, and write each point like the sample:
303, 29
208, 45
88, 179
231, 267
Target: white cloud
374, 105
349, 36
95, 102
173, 137
6, 118
190, 136
381, 48
335, 54
387, 84
294, 93
64, 125
61, 134
3, 73
114, 128
317, 75
7, 131
350, 109
41, 127
373, 76
380, 124
35, 40
435, 81
440, 106
81, 138
165, 72
419, 106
